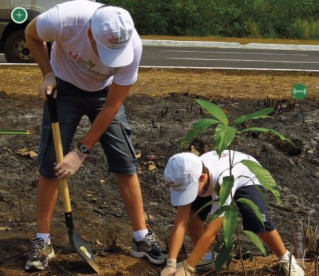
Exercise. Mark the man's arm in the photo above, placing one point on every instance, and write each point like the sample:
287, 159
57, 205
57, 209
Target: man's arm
38, 47
39, 51
115, 98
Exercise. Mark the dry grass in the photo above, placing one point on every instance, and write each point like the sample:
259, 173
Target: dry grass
224, 84
161, 82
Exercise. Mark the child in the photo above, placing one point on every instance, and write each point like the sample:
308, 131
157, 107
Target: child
193, 178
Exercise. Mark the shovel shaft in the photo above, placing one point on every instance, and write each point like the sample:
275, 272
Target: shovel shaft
52, 106
75, 239
59, 155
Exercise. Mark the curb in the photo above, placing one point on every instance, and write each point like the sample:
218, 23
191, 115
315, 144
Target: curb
209, 44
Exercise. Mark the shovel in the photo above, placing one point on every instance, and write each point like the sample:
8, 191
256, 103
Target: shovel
80, 245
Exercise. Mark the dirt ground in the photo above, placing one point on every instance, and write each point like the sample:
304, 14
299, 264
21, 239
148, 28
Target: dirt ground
160, 109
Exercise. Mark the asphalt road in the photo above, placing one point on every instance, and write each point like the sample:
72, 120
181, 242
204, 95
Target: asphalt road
230, 58
173, 54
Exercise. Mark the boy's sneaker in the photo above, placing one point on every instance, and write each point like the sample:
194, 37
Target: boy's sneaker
40, 255
205, 265
295, 268
150, 248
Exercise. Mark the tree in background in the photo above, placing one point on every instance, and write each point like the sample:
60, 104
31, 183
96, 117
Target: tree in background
296, 19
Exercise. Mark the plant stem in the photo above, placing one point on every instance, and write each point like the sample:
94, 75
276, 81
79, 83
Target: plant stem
240, 252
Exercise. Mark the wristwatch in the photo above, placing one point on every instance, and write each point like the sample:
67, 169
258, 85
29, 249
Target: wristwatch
83, 148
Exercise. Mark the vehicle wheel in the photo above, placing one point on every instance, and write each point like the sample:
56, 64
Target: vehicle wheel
15, 48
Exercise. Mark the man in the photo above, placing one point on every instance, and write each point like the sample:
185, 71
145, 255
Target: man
192, 177
94, 62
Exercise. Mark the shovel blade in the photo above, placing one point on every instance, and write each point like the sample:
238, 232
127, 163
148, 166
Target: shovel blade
83, 249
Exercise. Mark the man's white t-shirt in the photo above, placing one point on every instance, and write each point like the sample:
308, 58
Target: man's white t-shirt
72, 57
219, 167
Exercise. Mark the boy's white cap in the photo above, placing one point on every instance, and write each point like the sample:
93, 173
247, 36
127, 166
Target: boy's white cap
112, 29
182, 172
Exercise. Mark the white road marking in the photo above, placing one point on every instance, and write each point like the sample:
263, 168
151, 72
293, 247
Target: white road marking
247, 60
229, 68
236, 53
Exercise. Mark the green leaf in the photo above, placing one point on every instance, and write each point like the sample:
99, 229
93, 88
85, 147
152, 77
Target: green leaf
214, 110
255, 239
217, 213
225, 189
223, 256
198, 128
267, 130
264, 177
224, 135
230, 223
261, 114
252, 206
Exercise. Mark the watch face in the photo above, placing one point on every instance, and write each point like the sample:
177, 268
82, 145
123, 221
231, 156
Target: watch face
84, 148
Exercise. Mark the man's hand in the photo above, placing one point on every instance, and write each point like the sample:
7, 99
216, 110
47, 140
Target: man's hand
70, 164
185, 270
170, 268
48, 87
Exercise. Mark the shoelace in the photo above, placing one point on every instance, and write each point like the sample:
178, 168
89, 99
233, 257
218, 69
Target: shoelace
37, 248
153, 240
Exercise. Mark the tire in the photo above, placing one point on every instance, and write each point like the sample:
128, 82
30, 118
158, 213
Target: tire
16, 50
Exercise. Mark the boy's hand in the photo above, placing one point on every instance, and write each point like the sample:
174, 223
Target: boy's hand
170, 268
185, 270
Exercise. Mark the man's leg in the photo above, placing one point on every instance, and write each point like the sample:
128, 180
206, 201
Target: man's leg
47, 194
70, 112
130, 191
131, 194
42, 249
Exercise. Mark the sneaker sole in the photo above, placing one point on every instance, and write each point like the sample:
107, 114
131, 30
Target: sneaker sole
208, 267
137, 254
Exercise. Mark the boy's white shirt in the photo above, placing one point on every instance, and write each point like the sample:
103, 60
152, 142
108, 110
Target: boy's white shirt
72, 56
219, 167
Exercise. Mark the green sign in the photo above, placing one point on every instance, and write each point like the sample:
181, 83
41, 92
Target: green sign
299, 91
19, 15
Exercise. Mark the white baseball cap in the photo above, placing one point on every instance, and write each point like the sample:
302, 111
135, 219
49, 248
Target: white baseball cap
182, 172
112, 29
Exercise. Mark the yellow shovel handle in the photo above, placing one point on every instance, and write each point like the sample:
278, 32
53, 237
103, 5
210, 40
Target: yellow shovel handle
59, 155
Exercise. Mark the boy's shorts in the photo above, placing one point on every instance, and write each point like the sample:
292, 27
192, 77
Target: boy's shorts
200, 202
250, 220
72, 104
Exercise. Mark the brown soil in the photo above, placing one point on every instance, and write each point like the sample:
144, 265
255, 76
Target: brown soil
160, 109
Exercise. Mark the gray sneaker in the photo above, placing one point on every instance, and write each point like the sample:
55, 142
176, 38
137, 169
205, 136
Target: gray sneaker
40, 255
205, 265
149, 247
202, 266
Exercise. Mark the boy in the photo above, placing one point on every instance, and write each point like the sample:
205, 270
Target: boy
194, 177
